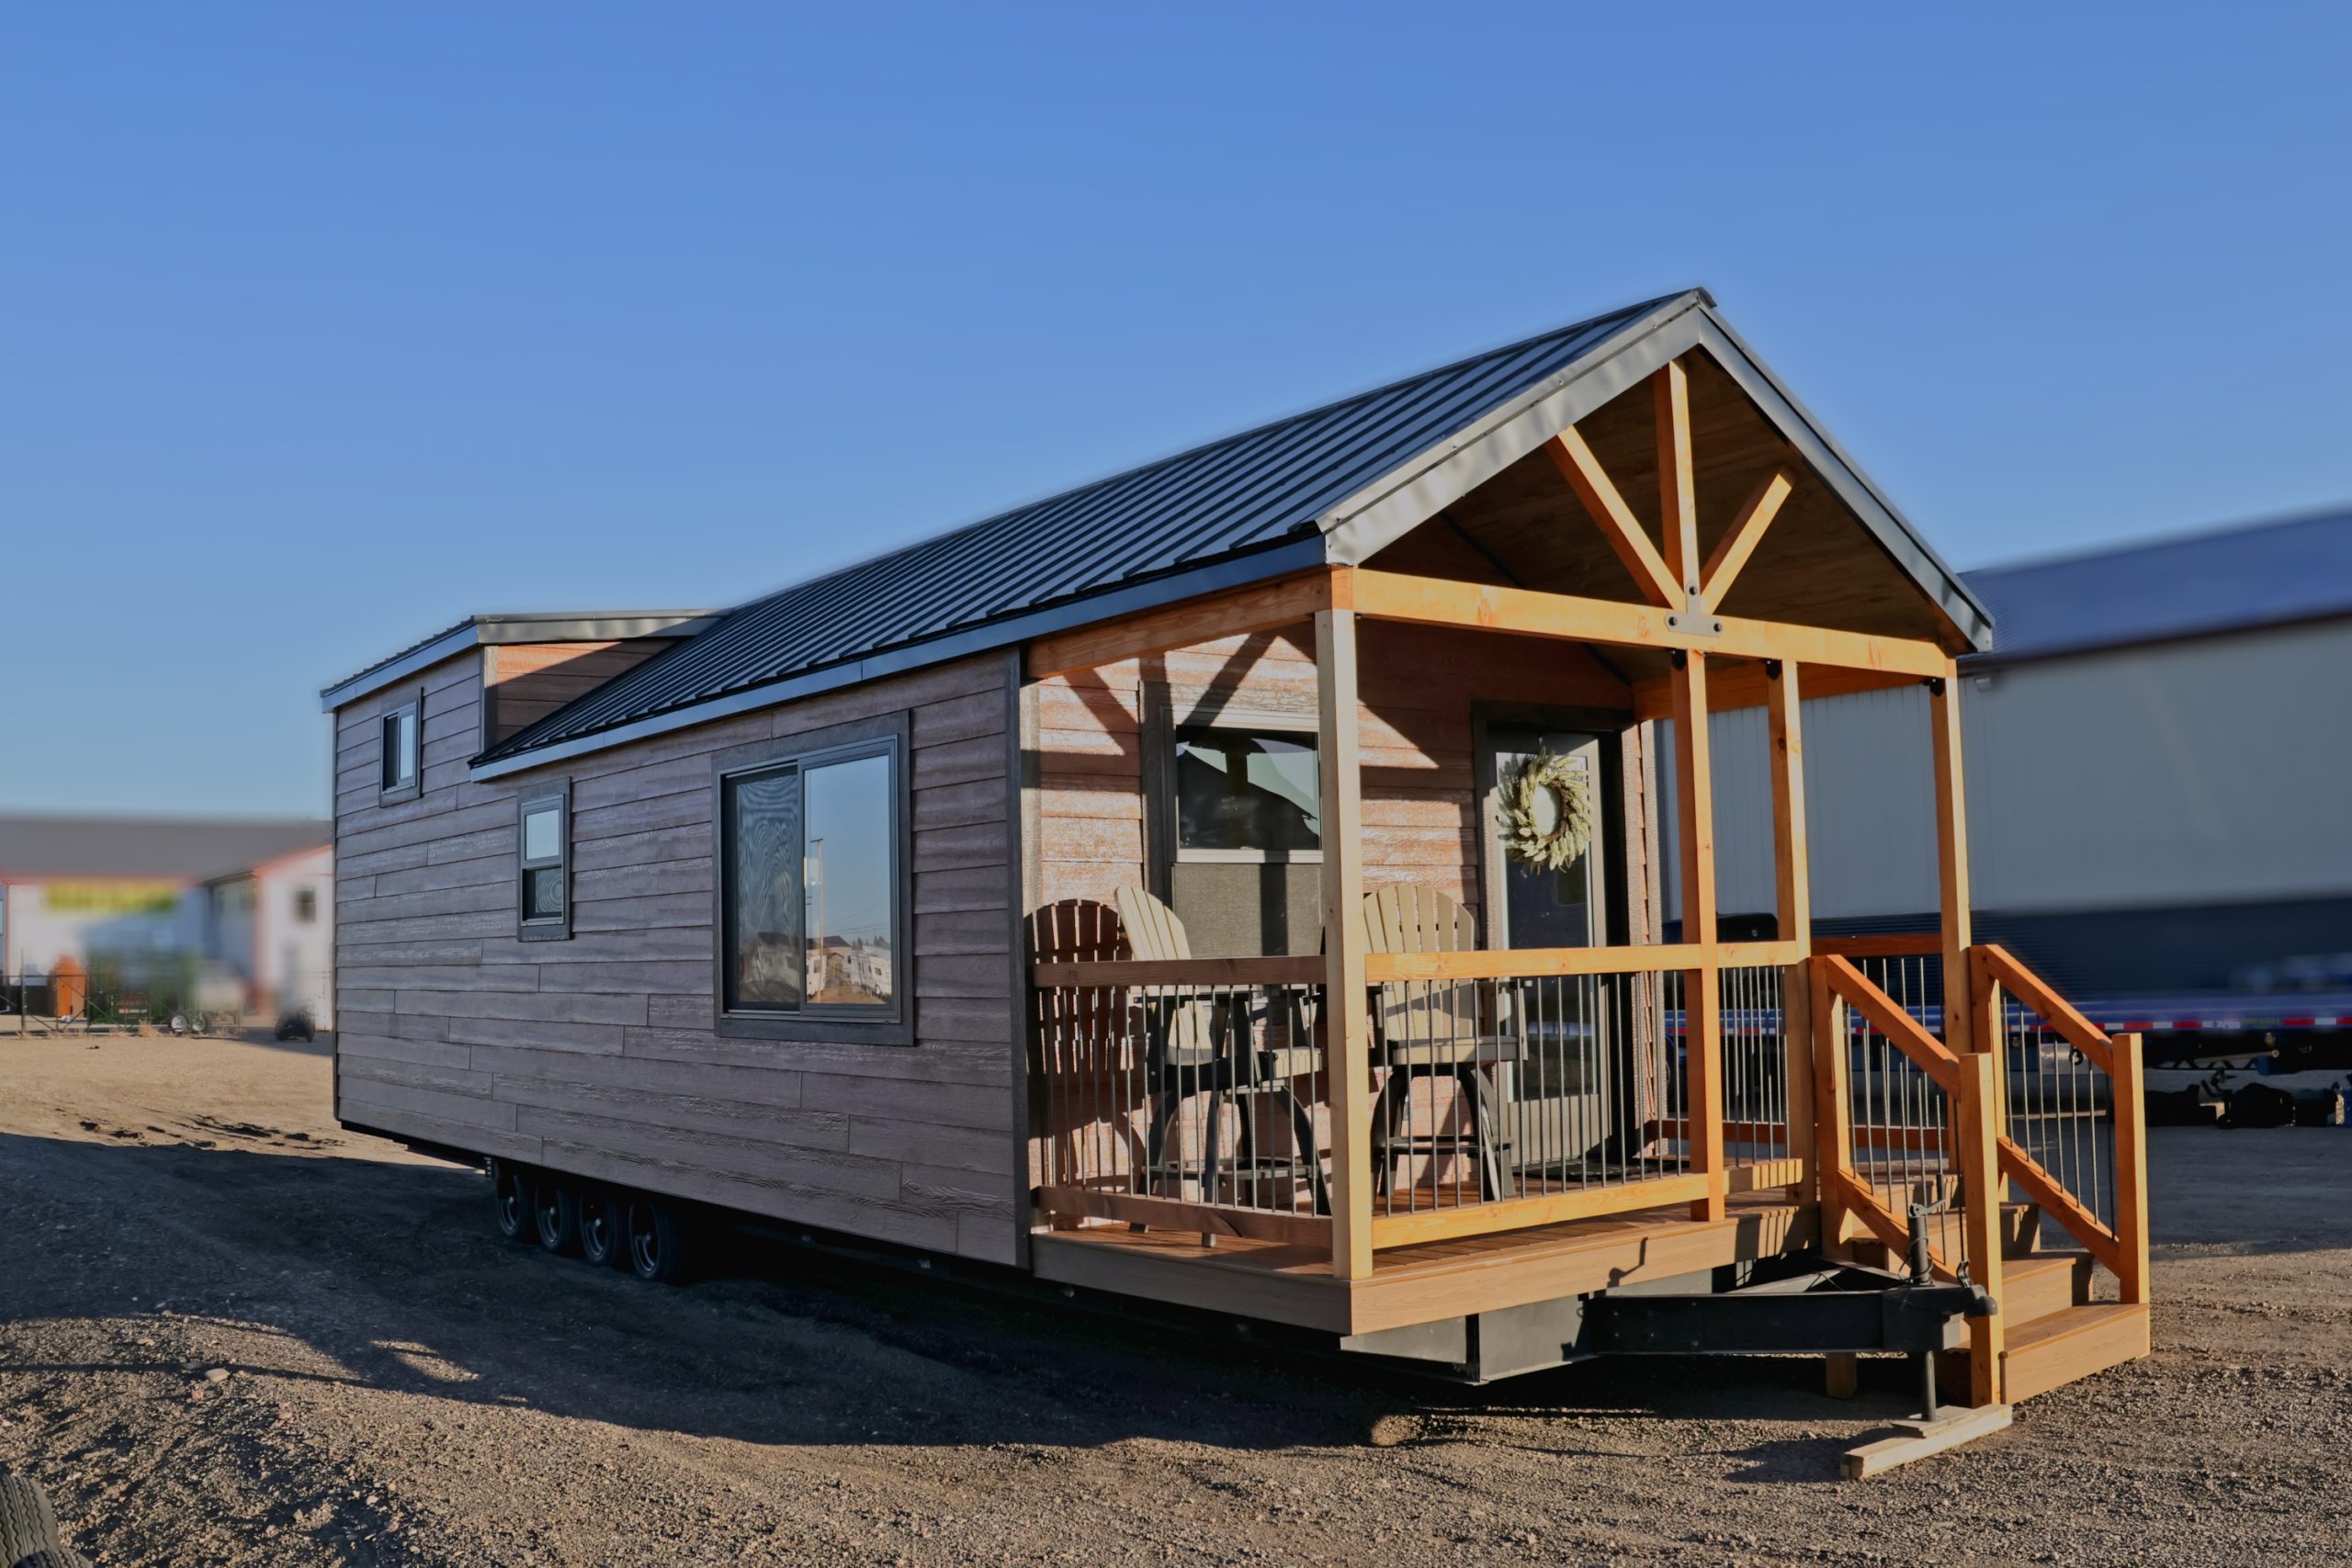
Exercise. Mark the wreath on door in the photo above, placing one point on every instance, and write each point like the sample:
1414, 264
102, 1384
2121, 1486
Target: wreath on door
1547, 812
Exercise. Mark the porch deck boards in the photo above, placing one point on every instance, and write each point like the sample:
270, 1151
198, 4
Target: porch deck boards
1428, 1282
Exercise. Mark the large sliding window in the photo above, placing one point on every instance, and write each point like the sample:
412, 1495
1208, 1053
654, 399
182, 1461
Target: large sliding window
812, 887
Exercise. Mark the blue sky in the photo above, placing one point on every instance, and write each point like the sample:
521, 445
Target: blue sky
326, 326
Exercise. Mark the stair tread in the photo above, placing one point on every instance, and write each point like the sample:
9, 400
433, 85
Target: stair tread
2072, 1320
2041, 1263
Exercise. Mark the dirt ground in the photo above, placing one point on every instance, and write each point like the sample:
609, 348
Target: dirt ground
402, 1387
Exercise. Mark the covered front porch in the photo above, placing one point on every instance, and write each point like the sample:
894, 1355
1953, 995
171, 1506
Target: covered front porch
1379, 973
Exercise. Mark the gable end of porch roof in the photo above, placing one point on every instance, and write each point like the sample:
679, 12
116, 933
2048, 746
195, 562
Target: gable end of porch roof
1383, 512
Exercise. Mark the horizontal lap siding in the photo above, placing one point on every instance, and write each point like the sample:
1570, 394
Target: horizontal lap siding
596, 1056
1417, 688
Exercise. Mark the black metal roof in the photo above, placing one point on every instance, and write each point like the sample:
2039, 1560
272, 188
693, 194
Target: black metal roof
523, 625
1315, 488
1243, 493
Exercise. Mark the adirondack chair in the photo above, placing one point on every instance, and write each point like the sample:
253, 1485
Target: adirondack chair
1425, 1029
1194, 1045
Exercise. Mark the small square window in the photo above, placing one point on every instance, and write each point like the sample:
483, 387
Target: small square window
306, 906
1248, 794
542, 893
401, 765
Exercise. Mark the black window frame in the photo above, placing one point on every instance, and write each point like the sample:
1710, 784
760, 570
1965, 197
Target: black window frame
387, 791
887, 736
556, 928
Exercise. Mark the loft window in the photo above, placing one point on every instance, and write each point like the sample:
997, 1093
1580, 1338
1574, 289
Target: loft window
401, 762
543, 891
1248, 794
813, 887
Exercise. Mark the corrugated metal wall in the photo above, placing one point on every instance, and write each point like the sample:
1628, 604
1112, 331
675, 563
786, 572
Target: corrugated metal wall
2205, 772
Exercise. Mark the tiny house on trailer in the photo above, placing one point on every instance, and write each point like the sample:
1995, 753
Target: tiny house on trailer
1236, 883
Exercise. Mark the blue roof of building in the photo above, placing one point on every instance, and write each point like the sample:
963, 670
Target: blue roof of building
2298, 569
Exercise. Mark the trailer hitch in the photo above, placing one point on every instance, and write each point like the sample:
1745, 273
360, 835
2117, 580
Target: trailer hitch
1831, 1309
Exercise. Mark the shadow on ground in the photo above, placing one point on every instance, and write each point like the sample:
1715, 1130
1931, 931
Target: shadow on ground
391, 1277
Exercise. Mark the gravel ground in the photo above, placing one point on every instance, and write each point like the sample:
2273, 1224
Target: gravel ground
238, 1335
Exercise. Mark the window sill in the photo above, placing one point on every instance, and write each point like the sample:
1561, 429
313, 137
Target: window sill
822, 1030
1249, 857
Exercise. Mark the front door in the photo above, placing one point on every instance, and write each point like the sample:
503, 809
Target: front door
1528, 774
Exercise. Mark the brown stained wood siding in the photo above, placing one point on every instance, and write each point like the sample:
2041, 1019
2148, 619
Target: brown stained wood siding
596, 1056
1418, 684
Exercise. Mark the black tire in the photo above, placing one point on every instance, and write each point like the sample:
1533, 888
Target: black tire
604, 1227
556, 1211
656, 1240
55, 1557
28, 1524
511, 1186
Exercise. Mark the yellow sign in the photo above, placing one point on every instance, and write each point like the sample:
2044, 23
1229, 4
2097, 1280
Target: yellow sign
111, 897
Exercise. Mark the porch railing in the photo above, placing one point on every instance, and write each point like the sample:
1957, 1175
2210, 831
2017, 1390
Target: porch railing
1186, 1094
1512, 1090
1508, 1090
2072, 1133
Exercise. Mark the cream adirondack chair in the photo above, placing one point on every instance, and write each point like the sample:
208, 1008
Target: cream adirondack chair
1194, 1045
1435, 1029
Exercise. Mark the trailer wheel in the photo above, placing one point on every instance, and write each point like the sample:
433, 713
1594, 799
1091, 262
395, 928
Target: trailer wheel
511, 1184
557, 1210
604, 1227
656, 1240
28, 1524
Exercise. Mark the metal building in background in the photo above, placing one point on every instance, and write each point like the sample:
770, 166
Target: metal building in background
2159, 783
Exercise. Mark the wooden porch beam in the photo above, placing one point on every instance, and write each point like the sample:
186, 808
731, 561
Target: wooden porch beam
1678, 490
1261, 606
1743, 685
1745, 533
1793, 898
1393, 596
1792, 863
1347, 1006
1951, 863
1582, 470
1694, 777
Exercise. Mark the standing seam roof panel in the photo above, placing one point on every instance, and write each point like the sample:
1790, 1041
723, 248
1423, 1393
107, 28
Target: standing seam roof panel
1250, 491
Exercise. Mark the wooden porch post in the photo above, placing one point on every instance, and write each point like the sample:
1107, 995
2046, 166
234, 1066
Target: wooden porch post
1980, 1123
1346, 1011
1703, 1019
2129, 1086
1951, 864
1792, 876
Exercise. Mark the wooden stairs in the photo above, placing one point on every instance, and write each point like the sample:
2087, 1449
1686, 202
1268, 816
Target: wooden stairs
2055, 1333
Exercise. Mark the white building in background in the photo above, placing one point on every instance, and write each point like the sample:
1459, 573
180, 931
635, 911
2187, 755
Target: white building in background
2159, 758
250, 904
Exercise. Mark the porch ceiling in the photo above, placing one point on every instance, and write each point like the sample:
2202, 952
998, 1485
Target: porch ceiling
1818, 564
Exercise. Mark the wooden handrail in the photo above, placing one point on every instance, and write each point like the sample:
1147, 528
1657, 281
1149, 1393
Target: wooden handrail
1852, 987
2043, 1188
1477, 963
1891, 944
1275, 971
1543, 963
2052, 1009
